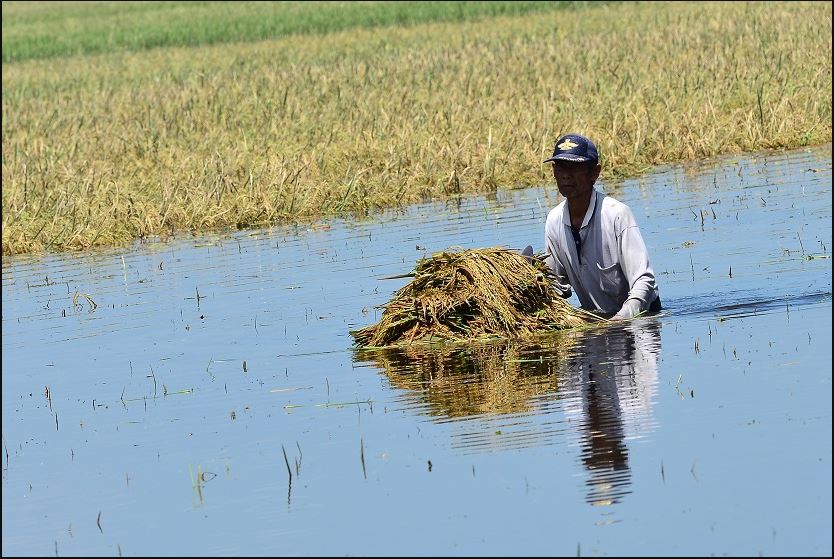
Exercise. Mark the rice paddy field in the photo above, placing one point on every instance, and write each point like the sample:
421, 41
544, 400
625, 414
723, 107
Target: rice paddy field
203, 396
125, 121
206, 207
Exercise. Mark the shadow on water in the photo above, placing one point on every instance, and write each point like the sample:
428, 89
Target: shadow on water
604, 382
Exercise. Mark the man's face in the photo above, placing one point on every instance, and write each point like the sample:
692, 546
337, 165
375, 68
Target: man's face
575, 180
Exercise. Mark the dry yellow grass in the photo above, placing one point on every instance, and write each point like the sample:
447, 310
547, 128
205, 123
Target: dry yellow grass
100, 150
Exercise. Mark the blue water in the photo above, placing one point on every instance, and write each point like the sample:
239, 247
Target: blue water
706, 430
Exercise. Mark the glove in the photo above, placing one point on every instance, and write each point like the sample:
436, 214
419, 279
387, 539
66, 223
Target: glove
630, 308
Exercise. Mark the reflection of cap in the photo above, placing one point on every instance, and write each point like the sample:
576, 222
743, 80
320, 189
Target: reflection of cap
573, 147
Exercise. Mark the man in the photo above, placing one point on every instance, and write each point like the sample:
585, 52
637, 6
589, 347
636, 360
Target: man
593, 241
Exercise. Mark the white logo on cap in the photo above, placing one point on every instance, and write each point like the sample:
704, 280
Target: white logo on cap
567, 144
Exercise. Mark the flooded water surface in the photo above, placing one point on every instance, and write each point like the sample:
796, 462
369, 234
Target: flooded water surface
203, 397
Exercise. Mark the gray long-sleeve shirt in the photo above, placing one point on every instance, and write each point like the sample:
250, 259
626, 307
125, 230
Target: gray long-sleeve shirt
614, 275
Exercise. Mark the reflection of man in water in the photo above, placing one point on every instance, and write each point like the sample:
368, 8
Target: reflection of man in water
610, 382
606, 380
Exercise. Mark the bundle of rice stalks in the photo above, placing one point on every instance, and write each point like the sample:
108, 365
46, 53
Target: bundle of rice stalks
490, 292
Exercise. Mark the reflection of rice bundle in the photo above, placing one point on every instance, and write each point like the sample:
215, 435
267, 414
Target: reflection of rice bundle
492, 377
491, 292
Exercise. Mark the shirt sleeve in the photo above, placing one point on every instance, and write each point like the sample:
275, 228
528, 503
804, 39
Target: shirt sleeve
560, 275
634, 261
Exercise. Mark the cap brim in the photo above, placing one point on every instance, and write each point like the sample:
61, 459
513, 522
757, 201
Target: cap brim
569, 157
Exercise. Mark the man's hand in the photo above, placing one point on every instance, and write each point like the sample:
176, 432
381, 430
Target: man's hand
630, 308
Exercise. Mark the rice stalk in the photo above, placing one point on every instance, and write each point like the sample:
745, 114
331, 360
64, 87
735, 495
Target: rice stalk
476, 293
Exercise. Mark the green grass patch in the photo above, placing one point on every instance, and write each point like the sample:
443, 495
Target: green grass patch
59, 29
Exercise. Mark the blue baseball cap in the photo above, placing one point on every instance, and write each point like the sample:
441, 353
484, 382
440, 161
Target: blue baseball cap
573, 147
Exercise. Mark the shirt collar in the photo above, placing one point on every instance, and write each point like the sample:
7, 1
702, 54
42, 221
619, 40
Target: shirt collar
589, 213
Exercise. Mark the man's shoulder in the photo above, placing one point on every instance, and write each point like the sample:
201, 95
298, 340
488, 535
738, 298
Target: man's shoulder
610, 203
555, 216
617, 212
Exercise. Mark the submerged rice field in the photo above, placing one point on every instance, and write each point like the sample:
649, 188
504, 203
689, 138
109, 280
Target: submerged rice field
202, 396
206, 207
129, 133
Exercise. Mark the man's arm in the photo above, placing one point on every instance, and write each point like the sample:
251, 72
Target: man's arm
634, 261
561, 281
